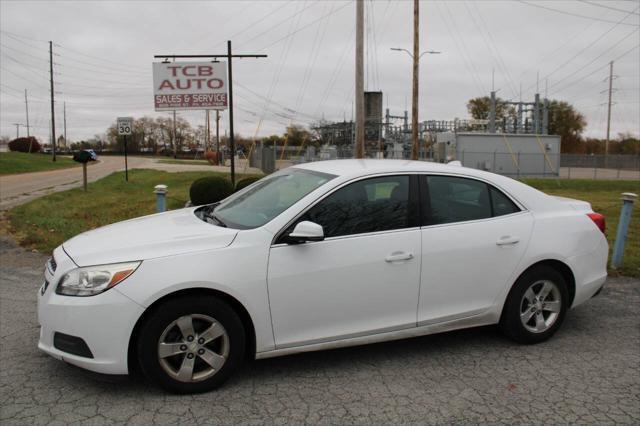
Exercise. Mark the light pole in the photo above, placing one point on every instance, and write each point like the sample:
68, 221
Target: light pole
415, 147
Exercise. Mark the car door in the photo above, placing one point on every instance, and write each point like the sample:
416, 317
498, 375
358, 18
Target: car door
363, 278
473, 238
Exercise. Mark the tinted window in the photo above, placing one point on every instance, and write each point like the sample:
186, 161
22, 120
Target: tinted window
371, 205
501, 203
454, 199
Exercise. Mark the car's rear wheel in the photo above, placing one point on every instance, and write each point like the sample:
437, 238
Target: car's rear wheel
536, 305
191, 344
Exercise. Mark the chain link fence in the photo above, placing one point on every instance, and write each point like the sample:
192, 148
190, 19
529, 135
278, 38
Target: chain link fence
513, 164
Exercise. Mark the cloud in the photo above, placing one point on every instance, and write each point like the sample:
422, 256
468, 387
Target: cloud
104, 52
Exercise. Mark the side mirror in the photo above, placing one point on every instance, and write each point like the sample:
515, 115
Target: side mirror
306, 231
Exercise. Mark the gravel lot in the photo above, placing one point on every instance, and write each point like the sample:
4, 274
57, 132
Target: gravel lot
588, 373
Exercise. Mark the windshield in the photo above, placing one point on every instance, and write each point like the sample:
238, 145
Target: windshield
264, 200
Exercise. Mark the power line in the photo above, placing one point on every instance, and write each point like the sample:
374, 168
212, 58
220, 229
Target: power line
23, 78
461, 47
597, 57
303, 28
572, 14
489, 42
313, 56
91, 56
279, 23
254, 23
583, 50
573, 83
606, 7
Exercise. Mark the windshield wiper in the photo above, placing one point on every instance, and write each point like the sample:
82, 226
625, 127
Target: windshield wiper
216, 219
208, 213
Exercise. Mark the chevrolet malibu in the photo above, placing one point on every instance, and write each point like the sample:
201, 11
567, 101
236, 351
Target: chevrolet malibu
319, 256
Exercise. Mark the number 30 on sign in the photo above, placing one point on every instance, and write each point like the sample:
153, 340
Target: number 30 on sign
125, 125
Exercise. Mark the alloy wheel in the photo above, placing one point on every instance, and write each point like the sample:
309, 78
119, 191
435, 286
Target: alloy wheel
540, 306
193, 348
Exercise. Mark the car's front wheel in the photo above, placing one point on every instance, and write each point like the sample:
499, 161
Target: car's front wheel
191, 344
536, 305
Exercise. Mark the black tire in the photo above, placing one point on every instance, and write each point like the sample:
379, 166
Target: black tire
510, 321
163, 316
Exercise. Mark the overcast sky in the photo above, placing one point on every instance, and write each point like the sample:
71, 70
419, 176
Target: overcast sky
103, 51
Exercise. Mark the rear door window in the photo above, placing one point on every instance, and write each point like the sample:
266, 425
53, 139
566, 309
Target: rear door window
450, 199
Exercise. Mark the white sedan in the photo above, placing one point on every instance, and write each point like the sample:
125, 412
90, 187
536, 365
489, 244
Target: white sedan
319, 256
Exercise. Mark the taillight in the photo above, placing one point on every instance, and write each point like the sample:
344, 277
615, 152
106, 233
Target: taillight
598, 219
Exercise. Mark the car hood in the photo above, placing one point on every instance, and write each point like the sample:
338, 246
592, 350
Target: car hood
147, 237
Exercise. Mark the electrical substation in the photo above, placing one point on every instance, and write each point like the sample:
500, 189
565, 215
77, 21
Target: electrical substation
515, 144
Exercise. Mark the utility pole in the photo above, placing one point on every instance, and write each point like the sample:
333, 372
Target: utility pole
208, 127
232, 141
415, 144
53, 116
606, 145
218, 136
175, 143
17, 129
26, 106
359, 141
64, 114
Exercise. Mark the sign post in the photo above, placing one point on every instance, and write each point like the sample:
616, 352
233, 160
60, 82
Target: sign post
197, 85
125, 126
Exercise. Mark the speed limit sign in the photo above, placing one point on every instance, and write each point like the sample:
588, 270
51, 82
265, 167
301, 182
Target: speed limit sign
125, 125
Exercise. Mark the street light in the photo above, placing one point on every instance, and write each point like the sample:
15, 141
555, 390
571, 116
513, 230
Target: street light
431, 52
415, 148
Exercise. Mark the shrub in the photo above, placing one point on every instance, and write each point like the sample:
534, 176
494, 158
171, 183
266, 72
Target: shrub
243, 183
209, 190
23, 144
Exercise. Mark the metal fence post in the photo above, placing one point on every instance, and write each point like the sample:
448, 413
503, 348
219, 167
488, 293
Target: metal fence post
628, 199
161, 198
595, 168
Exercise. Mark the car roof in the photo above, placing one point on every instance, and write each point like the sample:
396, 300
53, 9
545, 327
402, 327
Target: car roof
354, 168
347, 169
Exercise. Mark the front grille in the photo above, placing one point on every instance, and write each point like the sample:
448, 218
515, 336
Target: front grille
52, 265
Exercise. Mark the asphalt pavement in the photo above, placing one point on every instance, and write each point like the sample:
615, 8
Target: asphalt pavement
588, 373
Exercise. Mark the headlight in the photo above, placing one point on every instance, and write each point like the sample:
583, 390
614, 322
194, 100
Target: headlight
93, 280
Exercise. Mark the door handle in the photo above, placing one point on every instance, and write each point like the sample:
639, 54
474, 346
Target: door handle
508, 240
398, 256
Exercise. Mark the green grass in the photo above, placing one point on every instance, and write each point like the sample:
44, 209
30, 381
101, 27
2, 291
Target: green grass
604, 196
47, 222
19, 162
186, 162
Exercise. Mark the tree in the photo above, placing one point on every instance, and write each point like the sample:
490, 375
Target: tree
565, 120
297, 135
628, 144
479, 108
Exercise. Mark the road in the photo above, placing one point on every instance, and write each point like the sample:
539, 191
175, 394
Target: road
589, 373
18, 189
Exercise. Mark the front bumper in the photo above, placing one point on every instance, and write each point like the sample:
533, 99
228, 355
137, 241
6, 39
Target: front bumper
104, 322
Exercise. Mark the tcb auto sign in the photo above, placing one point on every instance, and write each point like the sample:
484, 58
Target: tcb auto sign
190, 85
